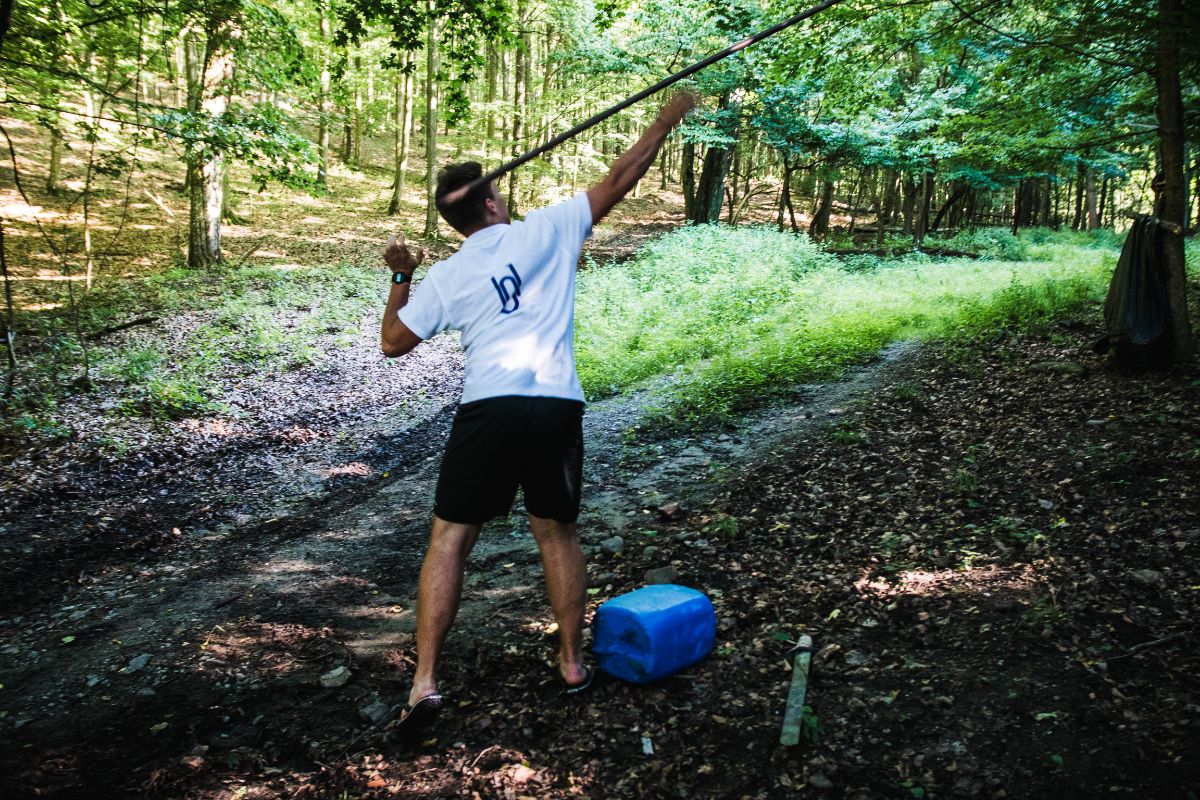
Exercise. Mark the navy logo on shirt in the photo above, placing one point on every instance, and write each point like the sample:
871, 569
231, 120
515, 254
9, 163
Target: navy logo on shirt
509, 289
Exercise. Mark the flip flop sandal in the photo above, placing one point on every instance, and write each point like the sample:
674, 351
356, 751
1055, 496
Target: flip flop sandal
420, 716
578, 688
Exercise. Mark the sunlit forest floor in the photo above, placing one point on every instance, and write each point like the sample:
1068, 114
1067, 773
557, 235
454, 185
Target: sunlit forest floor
992, 541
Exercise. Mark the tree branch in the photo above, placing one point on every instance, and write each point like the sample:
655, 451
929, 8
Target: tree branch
1043, 43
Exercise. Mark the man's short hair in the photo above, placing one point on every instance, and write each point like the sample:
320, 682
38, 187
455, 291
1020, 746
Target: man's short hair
468, 212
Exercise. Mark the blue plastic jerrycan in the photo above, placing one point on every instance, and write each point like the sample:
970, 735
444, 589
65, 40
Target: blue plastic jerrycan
653, 632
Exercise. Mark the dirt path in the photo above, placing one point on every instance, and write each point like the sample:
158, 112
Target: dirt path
217, 639
992, 544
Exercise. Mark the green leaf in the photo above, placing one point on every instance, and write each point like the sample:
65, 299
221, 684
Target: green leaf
68, 639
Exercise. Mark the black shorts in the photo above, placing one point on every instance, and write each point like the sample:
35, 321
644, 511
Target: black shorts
500, 443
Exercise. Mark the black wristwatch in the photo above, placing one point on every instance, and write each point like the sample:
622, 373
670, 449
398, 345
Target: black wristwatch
401, 277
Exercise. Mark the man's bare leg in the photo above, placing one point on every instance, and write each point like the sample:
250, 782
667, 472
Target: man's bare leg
438, 594
566, 583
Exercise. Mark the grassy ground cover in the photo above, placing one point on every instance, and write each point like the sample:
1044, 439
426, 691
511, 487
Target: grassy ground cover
262, 318
739, 315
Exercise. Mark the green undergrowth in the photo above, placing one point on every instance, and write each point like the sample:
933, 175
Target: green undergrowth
210, 327
260, 319
738, 316
989, 243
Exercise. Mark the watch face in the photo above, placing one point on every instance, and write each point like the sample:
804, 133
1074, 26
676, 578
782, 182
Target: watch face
399, 277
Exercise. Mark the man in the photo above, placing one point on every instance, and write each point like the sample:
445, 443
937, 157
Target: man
510, 289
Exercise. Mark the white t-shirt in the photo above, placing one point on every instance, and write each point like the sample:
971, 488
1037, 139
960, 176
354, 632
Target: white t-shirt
510, 289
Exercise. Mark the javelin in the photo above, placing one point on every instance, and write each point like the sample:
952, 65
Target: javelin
458, 194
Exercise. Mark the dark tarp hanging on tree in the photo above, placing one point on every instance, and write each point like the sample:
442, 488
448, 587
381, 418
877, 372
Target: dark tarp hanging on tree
1137, 311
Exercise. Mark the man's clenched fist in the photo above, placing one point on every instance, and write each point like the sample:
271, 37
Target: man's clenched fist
399, 258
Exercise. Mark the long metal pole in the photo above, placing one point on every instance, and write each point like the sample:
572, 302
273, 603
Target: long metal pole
458, 194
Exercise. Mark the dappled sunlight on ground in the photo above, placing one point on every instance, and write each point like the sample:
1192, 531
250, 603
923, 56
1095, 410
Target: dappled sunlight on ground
248, 652
21, 211
496, 596
217, 426
47, 279
282, 566
985, 581
354, 468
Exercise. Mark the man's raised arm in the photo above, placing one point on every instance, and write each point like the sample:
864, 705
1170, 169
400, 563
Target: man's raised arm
627, 170
395, 338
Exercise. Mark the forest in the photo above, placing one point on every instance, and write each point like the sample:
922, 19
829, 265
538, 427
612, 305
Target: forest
837, 349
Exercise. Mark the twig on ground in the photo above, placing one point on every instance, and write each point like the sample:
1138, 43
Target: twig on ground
158, 202
482, 753
251, 251
1138, 648
124, 325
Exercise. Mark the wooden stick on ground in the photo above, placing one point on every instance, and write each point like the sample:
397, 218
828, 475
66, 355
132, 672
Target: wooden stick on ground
1138, 648
159, 203
123, 326
794, 713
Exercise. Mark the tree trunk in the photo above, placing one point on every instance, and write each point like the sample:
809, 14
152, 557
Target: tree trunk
323, 98
518, 108
207, 76
404, 104
529, 84
1103, 201
910, 203
820, 221
431, 110
1016, 217
358, 114
710, 191
959, 192
547, 76
1057, 220
780, 207
1047, 191
1093, 217
54, 169
926, 201
1080, 180
492, 70
785, 194
179, 81
1189, 172
891, 191
959, 209
732, 190
53, 118
687, 177
1169, 110
397, 138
